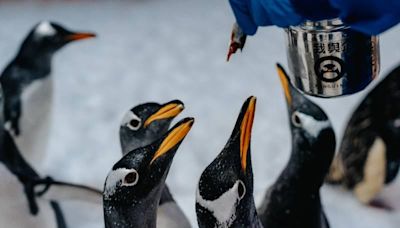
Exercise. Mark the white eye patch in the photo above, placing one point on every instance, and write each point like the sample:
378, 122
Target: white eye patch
45, 29
117, 177
132, 121
224, 208
311, 125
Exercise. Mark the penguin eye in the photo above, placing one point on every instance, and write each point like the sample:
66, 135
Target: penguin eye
241, 190
134, 124
131, 179
296, 119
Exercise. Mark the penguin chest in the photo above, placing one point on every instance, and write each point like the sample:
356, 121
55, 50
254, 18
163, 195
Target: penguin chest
14, 211
169, 215
36, 104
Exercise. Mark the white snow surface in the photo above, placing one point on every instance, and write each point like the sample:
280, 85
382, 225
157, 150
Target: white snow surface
159, 50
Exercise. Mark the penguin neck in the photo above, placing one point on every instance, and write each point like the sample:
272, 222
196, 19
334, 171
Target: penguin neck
308, 165
141, 213
29, 57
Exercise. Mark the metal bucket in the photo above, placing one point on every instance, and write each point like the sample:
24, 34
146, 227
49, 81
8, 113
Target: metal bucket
328, 59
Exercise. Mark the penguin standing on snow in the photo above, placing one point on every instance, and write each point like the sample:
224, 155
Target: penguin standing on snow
369, 155
28, 87
141, 126
294, 199
24, 193
134, 186
224, 195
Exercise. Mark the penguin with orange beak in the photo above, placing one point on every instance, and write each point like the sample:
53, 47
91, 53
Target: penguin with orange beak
141, 126
28, 88
294, 199
224, 195
133, 188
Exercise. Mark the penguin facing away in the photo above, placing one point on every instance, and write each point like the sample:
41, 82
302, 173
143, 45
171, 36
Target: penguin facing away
294, 199
142, 125
224, 196
369, 154
133, 187
28, 87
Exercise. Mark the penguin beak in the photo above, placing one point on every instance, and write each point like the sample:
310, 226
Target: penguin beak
79, 36
285, 83
174, 137
245, 131
169, 110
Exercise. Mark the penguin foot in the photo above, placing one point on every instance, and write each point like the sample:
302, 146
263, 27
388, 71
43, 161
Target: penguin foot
380, 204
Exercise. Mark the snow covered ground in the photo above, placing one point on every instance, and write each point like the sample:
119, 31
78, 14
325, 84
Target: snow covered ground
158, 50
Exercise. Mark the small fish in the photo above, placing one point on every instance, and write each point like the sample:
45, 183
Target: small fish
238, 39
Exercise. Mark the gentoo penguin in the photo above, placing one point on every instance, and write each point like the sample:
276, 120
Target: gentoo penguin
142, 125
28, 87
294, 199
224, 195
369, 154
133, 187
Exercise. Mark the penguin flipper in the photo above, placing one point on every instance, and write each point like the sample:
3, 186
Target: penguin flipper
52, 190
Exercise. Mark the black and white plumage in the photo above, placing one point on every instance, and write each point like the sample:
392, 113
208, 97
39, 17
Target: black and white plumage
28, 200
369, 155
142, 125
133, 188
224, 195
294, 199
28, 88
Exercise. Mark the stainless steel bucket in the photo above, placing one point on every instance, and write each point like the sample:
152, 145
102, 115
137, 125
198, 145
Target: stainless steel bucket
328, 59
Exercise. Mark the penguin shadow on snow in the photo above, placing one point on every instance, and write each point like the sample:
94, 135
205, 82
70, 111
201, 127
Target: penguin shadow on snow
224, 196
368, 159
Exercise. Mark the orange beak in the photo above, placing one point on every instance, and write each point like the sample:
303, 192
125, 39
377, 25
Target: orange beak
245, 131
173, 138
79, 36
168, 111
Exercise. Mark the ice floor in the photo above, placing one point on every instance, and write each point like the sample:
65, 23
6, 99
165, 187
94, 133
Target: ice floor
158, 50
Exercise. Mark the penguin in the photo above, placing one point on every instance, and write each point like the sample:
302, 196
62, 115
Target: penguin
294, 198
142, 125
369, 154
133, 187
28, 87
224, 196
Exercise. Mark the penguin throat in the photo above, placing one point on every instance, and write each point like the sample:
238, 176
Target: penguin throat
223, 208
142, 213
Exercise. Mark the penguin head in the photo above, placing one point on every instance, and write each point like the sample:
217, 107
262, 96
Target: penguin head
225, 190
312, 133
146, 123
141, 173
47, 37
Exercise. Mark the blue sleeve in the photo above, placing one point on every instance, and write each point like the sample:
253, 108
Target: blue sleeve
367, 16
